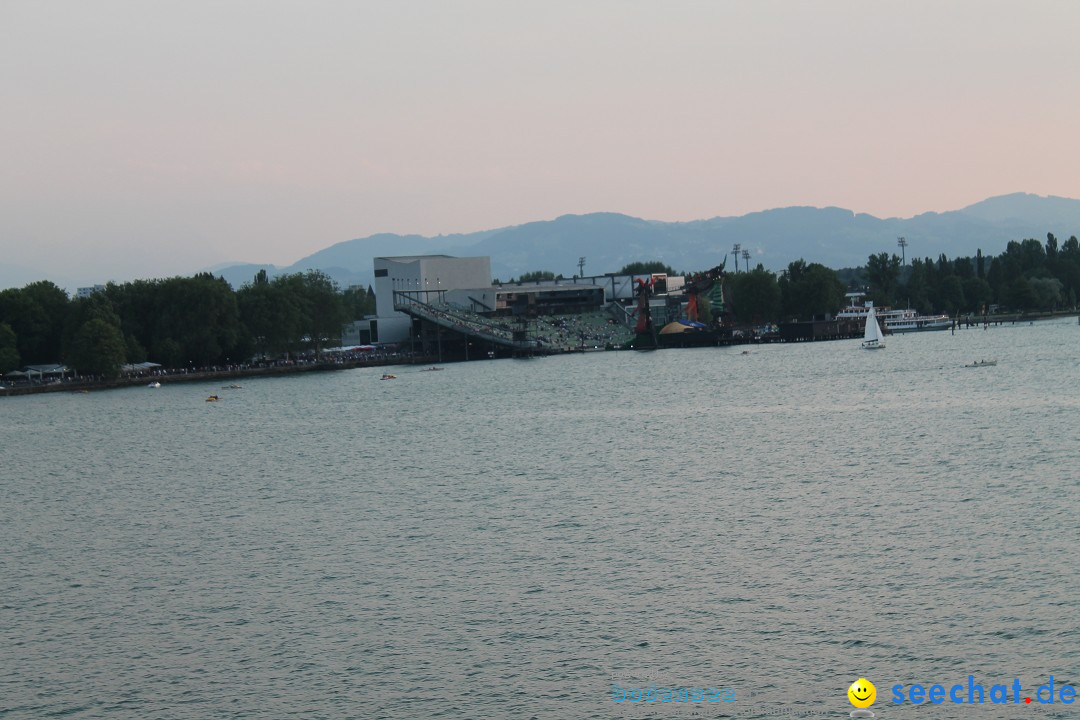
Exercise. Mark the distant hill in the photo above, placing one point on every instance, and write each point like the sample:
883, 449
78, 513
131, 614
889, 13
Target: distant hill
832, 236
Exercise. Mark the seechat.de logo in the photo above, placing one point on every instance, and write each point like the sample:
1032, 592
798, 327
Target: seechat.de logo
975, 693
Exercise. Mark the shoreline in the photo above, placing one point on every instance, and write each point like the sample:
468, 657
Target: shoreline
77, 386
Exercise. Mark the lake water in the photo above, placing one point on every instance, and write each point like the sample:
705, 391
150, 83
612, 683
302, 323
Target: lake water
510, 539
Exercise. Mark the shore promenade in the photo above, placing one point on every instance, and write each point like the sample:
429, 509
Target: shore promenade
202, 375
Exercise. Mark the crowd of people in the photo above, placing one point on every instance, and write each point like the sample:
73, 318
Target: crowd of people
593, 331
553, 333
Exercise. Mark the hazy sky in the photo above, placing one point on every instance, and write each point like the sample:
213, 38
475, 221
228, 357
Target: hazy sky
146, 138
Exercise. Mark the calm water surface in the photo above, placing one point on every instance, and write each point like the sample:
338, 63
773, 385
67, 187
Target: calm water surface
506, 539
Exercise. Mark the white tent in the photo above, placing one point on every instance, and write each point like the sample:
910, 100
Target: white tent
139, 367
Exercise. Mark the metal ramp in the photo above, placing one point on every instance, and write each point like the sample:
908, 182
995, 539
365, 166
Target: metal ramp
462, 321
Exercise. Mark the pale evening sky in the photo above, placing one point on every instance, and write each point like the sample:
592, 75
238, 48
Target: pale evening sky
143, 139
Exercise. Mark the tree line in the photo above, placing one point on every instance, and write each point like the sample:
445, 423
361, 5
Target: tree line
179, 322
1028, 276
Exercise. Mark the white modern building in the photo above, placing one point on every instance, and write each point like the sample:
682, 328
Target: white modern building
425, 276
85, 292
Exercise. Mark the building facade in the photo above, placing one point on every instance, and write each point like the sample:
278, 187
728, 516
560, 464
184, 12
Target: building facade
425, 276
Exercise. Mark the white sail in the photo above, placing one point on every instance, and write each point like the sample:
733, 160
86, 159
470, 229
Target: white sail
873, 330
872, 336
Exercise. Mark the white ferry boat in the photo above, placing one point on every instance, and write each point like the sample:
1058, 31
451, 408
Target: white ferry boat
892, 321
912, 321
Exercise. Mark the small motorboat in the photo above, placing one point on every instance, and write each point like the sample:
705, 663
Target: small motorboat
154, 385
388, 376
212, 398
983, 363
431, 369
231, 387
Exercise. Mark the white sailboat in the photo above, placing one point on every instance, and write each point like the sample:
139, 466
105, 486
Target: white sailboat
873, 339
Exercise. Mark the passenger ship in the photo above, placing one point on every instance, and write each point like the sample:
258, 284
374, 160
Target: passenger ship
892, 321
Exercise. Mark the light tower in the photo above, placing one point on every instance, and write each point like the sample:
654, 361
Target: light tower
903, 244
581, 266
746, 257
735, 250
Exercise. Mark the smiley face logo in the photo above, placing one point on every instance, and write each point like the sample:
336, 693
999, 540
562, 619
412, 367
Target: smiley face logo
862, 693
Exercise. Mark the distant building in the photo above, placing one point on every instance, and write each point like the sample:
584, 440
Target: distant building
86, 292
425, 277
357, 332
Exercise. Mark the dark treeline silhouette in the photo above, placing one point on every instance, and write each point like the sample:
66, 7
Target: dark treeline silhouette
177, 322
1030, 276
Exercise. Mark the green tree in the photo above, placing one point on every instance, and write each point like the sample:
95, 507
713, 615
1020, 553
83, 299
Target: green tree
1051, 246
1047, 292
138, 305
136, 353
755, 296
273, 314
292, 309
536, 275
54, 302
883, 273
963, 268
1033, 255
36, 313
646, 268
82, 310
1071, 248
917, 290
1019, 294
201, 314
167, 352
9, 351
809, 290
977, 294
325, 309
358, 302
1003, 270
951, 295
97, 349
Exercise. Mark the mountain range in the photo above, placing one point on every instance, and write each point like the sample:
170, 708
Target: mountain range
832, 236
